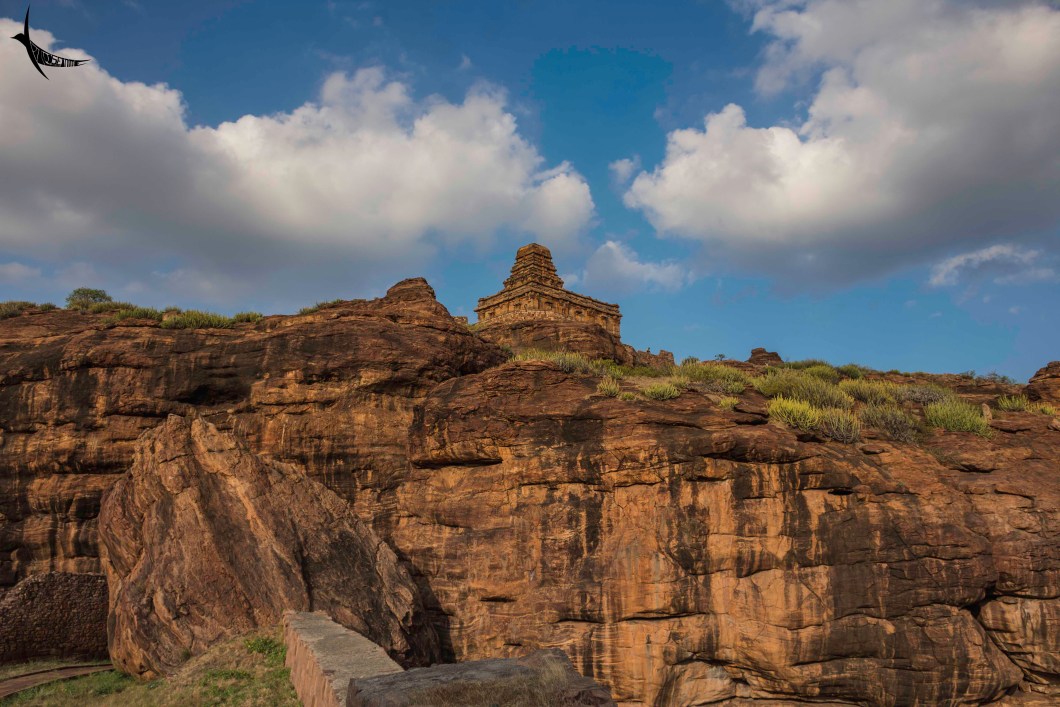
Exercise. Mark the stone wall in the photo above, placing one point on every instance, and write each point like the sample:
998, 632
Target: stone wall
55, 614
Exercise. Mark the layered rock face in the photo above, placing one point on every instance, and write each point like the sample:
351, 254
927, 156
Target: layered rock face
1045, 384
204, 541
678, 552
683, 554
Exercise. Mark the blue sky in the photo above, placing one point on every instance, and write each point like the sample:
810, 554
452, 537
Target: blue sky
864, 181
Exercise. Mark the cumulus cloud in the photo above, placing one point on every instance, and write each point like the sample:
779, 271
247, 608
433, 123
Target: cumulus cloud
108, 172
616, 267
1005, 263
623, 169
934, 128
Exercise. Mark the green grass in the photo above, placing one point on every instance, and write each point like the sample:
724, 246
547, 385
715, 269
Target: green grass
955, 415
318, 306
661, 391
728, 403
853, 370
840, 425
135, 313
628, 396
609, 386
194, 319
869, 392
797, 385
822, 371
795, 413
246, 317
241, 671
717, 378
46, 307
804, 363
891, 421
1013, 403
1043, 408
13, 308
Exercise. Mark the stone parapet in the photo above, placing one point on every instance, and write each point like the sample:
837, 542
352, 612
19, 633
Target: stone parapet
54, 614
324, 657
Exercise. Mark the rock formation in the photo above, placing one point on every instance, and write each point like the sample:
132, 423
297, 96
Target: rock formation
761, 357
676, 551
54, 615
203, 541
1044, 386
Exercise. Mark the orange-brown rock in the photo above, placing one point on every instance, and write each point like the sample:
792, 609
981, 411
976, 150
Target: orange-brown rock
1044, 386
204, 540
590, 340
761, 357
678, 552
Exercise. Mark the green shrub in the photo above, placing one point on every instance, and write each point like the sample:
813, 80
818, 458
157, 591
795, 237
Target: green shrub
728, 403
609, 386
891, 421
245, 317
638, 372
46, 307
956, 415
712, 372
923, 394
689, 361
1013, 403
823, 371
995, 377
840, 425
796, 385
661, 391
794, 413
870, 392
103, 307
853, 370
627, 396
1043, 408
84, 297
194, 319
14, 308
135, 313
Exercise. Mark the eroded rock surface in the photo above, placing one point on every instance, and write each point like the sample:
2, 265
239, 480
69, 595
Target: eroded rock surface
678, 552
54, 615
203, 541
1045, 384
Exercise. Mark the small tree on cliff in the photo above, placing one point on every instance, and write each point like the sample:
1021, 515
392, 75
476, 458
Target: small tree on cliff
84, 297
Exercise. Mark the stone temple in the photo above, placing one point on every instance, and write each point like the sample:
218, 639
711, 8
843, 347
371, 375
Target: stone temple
534, 292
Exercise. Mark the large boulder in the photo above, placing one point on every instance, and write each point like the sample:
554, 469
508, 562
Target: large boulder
203, 540
1044, 385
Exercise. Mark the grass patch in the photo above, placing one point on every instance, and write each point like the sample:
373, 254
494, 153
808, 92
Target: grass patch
609, 386
796, 385
135, 313
804, 363
955, 415
619, 371
194, 319
661, 391
869, 392
318, 306
628, 396
242, 671
1013, 403
853, 370
891, 422
794, 413
923, 394
246, 317
728, 403
1043, 408
716, 377
822, 371
840, 425
13, 308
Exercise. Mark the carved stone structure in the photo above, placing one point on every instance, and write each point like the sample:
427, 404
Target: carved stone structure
535, 292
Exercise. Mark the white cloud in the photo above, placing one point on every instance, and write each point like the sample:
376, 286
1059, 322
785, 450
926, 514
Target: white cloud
11, 273
616, 267
103, 171
465, 62
935, 125
623, 169
1007, 264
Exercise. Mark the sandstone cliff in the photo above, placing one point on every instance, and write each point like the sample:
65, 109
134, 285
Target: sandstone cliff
677, 551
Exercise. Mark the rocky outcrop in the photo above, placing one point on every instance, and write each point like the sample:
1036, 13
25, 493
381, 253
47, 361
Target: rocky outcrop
1044, 386
54, 615
761, 357
203, 541
678, 552
541, 677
